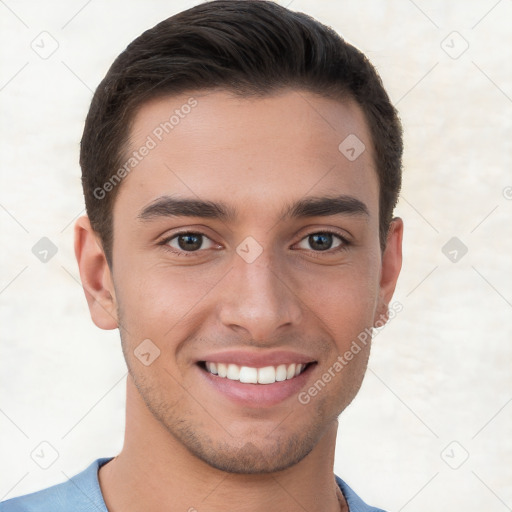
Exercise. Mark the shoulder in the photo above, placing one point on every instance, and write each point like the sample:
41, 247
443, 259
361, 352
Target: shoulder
355, 503
81, 493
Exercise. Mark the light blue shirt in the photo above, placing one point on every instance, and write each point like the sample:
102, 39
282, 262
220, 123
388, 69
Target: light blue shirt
82, 493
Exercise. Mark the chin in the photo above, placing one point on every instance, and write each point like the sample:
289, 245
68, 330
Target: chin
269, 456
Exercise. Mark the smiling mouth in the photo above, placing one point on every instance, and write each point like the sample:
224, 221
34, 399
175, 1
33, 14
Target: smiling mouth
251, 375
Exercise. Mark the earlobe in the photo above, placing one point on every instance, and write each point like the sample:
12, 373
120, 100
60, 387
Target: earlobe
95, 275
390, 270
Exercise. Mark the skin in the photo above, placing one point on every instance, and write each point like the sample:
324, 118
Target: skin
187, 445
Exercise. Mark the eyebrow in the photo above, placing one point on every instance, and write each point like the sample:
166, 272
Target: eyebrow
167, 206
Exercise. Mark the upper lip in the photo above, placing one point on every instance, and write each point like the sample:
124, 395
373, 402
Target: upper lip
257, 360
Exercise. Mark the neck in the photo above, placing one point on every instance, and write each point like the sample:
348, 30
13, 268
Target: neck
155, 472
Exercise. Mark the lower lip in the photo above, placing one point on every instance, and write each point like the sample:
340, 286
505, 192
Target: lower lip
257, 395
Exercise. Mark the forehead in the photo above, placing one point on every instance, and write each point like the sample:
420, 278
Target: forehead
257, 152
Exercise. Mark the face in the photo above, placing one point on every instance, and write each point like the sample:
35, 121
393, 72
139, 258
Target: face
246, 242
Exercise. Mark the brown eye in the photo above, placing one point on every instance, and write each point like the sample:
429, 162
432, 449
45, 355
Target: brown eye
188, 242
323, 241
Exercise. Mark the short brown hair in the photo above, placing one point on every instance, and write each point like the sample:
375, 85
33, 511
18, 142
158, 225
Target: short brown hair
250, 48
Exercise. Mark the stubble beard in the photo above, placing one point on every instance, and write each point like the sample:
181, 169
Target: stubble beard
282, 447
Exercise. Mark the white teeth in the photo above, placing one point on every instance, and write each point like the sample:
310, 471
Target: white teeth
212, 368
249, 375
233, 372
222, 369
266, 375
281, 373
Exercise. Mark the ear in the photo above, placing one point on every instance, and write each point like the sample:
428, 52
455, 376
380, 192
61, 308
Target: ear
390, 269
96, 276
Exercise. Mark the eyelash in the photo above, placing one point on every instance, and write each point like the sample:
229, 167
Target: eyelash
343, 247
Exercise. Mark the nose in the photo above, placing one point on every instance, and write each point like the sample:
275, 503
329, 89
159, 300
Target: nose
259, 298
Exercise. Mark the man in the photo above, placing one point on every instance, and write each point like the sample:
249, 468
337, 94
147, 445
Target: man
240, 165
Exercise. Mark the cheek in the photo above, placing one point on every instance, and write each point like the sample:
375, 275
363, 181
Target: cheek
157, 301
344, 305
343, 298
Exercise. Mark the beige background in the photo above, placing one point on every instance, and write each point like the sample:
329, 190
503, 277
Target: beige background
439, 386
